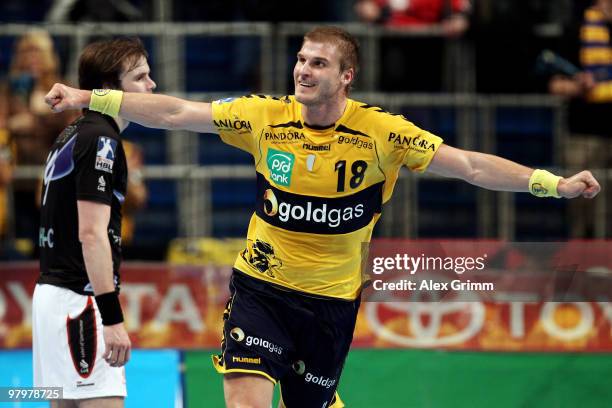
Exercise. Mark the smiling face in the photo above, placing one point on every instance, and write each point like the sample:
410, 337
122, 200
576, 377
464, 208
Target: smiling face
317, 74
137, 79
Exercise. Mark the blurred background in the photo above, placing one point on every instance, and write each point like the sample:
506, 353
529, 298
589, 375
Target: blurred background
527, 80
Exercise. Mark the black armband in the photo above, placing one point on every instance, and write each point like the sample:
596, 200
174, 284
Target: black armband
110, 308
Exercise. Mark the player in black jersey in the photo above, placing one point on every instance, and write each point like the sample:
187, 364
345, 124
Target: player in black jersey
85, 182
325, 165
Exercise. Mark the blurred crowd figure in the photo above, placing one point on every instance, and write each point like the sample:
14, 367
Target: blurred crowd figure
137, 192
413, 64
590, 95
27, 131
7, 162
27, 122
450, 15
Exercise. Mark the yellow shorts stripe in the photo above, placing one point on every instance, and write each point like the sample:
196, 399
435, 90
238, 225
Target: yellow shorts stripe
222, 370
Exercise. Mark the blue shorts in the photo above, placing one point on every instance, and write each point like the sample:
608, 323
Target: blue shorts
295, 339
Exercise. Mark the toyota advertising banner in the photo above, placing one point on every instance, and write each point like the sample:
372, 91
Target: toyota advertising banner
470, 295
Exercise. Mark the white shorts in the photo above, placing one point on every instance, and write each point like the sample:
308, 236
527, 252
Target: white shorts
68, 344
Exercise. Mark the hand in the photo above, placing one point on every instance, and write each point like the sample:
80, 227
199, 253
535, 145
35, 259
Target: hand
585, 80
118, 345
580, 184
62, 97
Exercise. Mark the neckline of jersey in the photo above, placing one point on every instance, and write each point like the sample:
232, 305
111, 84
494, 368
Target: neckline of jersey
328, 131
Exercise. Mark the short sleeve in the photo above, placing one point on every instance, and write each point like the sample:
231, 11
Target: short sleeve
409, 145
234, 118
95, 157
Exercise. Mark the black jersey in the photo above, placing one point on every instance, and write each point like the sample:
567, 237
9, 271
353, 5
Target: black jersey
86, 162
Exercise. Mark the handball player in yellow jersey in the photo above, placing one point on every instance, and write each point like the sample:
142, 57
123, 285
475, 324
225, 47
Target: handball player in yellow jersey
325, 165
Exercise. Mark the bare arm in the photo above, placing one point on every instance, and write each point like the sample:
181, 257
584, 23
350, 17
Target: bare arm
495, 173
150, 110
93, 226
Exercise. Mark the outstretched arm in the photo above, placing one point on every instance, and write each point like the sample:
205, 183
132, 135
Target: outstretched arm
151, 110
495, 173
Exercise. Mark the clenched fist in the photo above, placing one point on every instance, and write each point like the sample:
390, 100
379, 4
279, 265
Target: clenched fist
62, 97
580, 184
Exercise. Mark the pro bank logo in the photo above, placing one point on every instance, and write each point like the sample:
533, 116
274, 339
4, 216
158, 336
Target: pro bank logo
280, 165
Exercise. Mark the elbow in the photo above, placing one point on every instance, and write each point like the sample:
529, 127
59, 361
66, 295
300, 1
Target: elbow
472, 176
175, 118
469, 171
90, 235
170, 122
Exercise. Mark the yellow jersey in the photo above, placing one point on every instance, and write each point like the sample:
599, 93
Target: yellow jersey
596, 54
319, 191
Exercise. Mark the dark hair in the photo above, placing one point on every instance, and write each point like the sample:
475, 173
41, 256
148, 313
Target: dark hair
347, 45
102, 62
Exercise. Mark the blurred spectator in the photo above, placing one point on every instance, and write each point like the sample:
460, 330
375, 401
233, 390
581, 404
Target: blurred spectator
14, 11
136, 196
416, 64
449, 15
6, 171
29, 122
590, 94
90, 10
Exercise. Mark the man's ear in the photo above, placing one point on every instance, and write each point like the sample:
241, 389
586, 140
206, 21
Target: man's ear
107, 85
347, 76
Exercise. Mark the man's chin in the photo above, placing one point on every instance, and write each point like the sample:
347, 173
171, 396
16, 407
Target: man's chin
304, 99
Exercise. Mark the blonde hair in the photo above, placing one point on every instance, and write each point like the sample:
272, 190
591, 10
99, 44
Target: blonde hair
347, 45
40, 40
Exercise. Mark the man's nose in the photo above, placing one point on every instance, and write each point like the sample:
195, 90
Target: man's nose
304, 69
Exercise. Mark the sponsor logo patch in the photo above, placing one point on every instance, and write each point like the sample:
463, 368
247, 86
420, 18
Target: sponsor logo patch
101, 184
284, 136
356, 142
324, 382
105, 156
309, 211
101, 92
231, 125
316, 148
280, 165
416, 143
224, 100
247, 360
251, 341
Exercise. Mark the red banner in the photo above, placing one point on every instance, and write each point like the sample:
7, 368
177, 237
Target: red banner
182, 307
